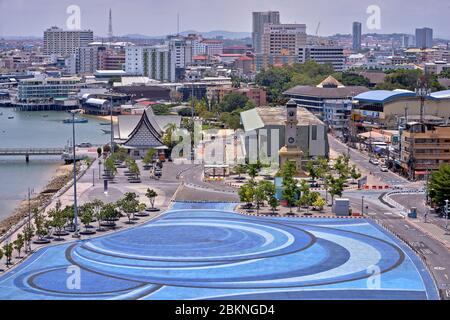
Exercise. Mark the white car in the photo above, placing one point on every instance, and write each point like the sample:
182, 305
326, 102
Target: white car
384, 169
374, 162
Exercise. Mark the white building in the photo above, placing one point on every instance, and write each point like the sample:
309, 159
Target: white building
64, 43
155, 62
337, 113
324, 55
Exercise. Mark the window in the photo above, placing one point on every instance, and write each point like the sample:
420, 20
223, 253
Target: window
314, 133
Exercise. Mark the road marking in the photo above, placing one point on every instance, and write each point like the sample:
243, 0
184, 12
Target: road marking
439, 268
388, 213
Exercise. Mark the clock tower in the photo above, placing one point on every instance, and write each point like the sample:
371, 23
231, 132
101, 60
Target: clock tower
291, 151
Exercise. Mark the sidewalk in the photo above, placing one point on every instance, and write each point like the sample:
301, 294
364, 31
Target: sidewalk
432, 231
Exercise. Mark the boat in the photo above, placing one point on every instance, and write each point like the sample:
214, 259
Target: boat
105, 123
76, 120
10, 117
106, 131
45, 116
1, 113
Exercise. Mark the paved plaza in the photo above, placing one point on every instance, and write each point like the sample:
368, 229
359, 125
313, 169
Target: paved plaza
205, 251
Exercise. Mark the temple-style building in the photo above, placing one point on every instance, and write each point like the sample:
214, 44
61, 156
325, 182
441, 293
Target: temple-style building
139, 133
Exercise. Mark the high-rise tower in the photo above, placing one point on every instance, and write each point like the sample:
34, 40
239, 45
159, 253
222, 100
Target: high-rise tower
110, 27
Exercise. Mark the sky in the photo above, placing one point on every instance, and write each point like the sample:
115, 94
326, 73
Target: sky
159, 17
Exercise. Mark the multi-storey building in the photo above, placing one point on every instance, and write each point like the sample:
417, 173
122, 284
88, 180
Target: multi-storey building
337, 114
357, 35
64, 43
259, 20
424, 149
324, 55
424, 38
155, 62
47, 89
281, 44
88, 59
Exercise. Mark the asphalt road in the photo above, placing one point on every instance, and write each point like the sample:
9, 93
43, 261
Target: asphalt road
362, 161
435, 255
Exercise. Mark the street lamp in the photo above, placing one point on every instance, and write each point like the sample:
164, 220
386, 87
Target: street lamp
362, 205
446, 217
75, 206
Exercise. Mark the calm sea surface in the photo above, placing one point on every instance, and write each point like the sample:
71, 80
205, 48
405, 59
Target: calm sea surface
36, 129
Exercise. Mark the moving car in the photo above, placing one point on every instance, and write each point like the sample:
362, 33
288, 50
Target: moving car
374, 162
384, 169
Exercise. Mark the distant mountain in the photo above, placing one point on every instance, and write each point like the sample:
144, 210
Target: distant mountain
208, 34
141, 36
220, 33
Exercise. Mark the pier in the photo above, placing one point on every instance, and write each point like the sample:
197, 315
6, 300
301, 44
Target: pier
27, 152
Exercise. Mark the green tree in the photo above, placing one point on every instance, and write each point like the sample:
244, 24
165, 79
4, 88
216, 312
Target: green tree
87, 215
149, 156
110, 166
354, 173
28, 234
319, 203
246, 194
439, 185
260, 195
1, 255
18, 244
8, 251
336, 187
233, 101
40, 223
97, 207
151, 195
240, 169
252, 171
58, 219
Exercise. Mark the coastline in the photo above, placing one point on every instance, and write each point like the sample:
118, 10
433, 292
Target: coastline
62, 175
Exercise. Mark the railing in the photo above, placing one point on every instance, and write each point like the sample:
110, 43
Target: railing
31, 151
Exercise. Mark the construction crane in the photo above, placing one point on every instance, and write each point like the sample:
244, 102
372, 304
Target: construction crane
317, 29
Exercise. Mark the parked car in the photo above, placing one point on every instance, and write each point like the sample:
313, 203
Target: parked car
384, 169
374, 162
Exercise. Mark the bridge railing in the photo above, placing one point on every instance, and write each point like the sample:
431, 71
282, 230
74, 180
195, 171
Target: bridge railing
31, 151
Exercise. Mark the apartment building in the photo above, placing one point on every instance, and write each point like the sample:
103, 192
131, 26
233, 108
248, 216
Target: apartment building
63, 43
424, 149
333, 55
155, 62
259, 20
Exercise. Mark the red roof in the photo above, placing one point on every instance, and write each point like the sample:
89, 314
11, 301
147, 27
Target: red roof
146, 103
200, 57
245, 58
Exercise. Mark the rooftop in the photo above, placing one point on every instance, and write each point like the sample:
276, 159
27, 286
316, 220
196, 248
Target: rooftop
326, 93
274, 116
383, 96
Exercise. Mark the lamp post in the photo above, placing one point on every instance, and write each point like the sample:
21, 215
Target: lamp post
28, 243
362, 205
446, 217
75, 206
111, 116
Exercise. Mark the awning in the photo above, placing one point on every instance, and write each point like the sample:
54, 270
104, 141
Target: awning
421, 173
